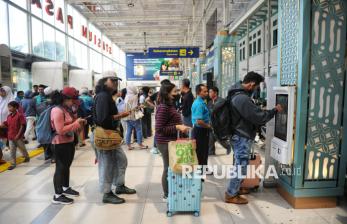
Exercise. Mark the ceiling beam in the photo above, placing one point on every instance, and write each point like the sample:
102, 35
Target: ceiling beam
128, 29
139, 19
148, 32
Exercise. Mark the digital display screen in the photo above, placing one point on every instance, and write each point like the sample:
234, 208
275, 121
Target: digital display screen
281, 119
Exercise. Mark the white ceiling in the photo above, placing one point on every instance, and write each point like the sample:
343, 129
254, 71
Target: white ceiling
165, 22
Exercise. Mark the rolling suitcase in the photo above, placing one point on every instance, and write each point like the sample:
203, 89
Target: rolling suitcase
184, 194
253, 183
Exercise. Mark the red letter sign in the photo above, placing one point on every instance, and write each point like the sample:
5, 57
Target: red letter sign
84, 31
70, 21
49, 7
60, 15
37, 3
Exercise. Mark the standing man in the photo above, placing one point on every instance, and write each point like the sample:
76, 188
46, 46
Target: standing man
201, 123
112, 163
41, 100
213, 93
187, 102
88, 105
246, 117
35, 90
19, 97
29, 109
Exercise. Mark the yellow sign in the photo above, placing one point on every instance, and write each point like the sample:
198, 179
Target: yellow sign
183, 52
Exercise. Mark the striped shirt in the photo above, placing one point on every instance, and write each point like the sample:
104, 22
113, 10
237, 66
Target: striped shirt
166, 119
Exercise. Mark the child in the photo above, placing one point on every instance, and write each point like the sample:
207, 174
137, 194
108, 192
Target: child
16, 126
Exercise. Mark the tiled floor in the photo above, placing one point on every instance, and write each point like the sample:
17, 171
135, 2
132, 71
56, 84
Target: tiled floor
25, 195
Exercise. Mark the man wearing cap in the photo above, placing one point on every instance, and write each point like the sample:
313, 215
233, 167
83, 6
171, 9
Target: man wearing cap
112, 163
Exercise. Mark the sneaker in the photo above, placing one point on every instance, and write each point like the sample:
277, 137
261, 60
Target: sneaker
71, 192
125, 190
154, 151
110, 198
26, 160
243, 191
237, 199
62, 199
11, 167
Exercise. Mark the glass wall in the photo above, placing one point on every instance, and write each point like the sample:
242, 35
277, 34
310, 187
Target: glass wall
3, 23
20, 79
59, 34
18, 24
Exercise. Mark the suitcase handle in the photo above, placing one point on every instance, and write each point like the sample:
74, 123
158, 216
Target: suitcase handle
189, 134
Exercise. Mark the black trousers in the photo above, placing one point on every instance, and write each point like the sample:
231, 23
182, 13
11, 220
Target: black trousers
64, 154
149, 124
201, 136
48, 151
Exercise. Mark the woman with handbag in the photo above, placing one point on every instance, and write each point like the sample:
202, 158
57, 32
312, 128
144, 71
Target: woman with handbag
167, 123
134, 119
64, 125
112, 161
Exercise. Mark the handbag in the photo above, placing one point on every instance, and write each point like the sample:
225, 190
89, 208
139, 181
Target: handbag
182, 152
138, 114
105, 139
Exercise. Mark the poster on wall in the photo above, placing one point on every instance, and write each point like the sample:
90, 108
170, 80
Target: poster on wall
141, 67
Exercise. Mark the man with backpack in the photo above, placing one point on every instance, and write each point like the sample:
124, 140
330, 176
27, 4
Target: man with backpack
245, 117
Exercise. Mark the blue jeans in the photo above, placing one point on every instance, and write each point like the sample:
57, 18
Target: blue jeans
242, 148
138, 127
112, 165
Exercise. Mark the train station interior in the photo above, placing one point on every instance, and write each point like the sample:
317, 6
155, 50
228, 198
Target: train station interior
53, 47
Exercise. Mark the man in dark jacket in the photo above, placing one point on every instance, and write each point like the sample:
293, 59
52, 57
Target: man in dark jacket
112, 163
187, 102
246, 117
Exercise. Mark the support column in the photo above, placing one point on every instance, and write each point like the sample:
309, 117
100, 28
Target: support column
311, 57
270, 182
204, 24
226, 14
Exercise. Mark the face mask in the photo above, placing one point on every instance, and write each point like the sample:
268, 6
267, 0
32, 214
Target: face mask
21, 97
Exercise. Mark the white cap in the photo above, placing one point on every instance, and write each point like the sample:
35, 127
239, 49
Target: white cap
110, 74
84, 90
48, 90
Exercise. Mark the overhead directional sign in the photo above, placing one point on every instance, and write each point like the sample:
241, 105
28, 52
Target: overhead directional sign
171, 73
173, 52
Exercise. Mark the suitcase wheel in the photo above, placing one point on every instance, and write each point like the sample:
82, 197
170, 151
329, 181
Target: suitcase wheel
196, 214
168, 214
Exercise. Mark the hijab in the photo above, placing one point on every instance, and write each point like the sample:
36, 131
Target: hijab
131, 99
4, 102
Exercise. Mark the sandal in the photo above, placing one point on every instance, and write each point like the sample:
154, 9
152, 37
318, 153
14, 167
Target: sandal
144, 147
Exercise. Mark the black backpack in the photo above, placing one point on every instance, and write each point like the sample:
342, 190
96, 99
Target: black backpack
221, 120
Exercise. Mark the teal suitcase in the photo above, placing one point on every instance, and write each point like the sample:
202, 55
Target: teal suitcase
184, 194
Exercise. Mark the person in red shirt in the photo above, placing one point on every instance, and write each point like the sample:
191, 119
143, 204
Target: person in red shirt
15, 124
